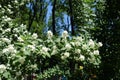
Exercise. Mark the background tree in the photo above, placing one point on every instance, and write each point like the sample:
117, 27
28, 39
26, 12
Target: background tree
71, 17
53, 17
109, 31
37, 15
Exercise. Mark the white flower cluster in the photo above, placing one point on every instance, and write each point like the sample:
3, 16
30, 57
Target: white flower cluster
34, 66
44, 49
6, 18
49, 34
65, 34
10, 49
6, 40
2, 68
96, 52
77, 48
68, 46
35, 36
91, 43
78, 51
100, 44
7, 30
65, 55
82, 57
84, 46
32, 47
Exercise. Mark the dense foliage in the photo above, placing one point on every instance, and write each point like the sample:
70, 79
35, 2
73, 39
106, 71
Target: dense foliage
24, 53
109, 32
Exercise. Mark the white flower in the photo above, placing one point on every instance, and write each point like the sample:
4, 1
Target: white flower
65, 34
68, 46
100, 44
34, 66
16, 30
6, 40
7, 19
54, 47
84, 47
77, 43
22, 25
9, 6
96, 52
77, 51
91, 43
32, 47
20, 39
8, 30
49, 34
16, 1
9, 11
62, 57
11, 49
1, 29
21, 60
34, 35
15, 35
45, 49
66, 54
82, 58
2, 68
5, 50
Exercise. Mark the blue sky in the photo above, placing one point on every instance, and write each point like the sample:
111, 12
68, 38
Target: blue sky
66, 18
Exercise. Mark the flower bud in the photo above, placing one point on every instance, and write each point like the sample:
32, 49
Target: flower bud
49, 34
65, 34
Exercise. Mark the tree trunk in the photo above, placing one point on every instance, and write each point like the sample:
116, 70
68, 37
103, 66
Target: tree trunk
71, 17
32, 15
53, 17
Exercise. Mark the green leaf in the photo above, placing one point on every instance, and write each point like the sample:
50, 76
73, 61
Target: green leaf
6, 75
